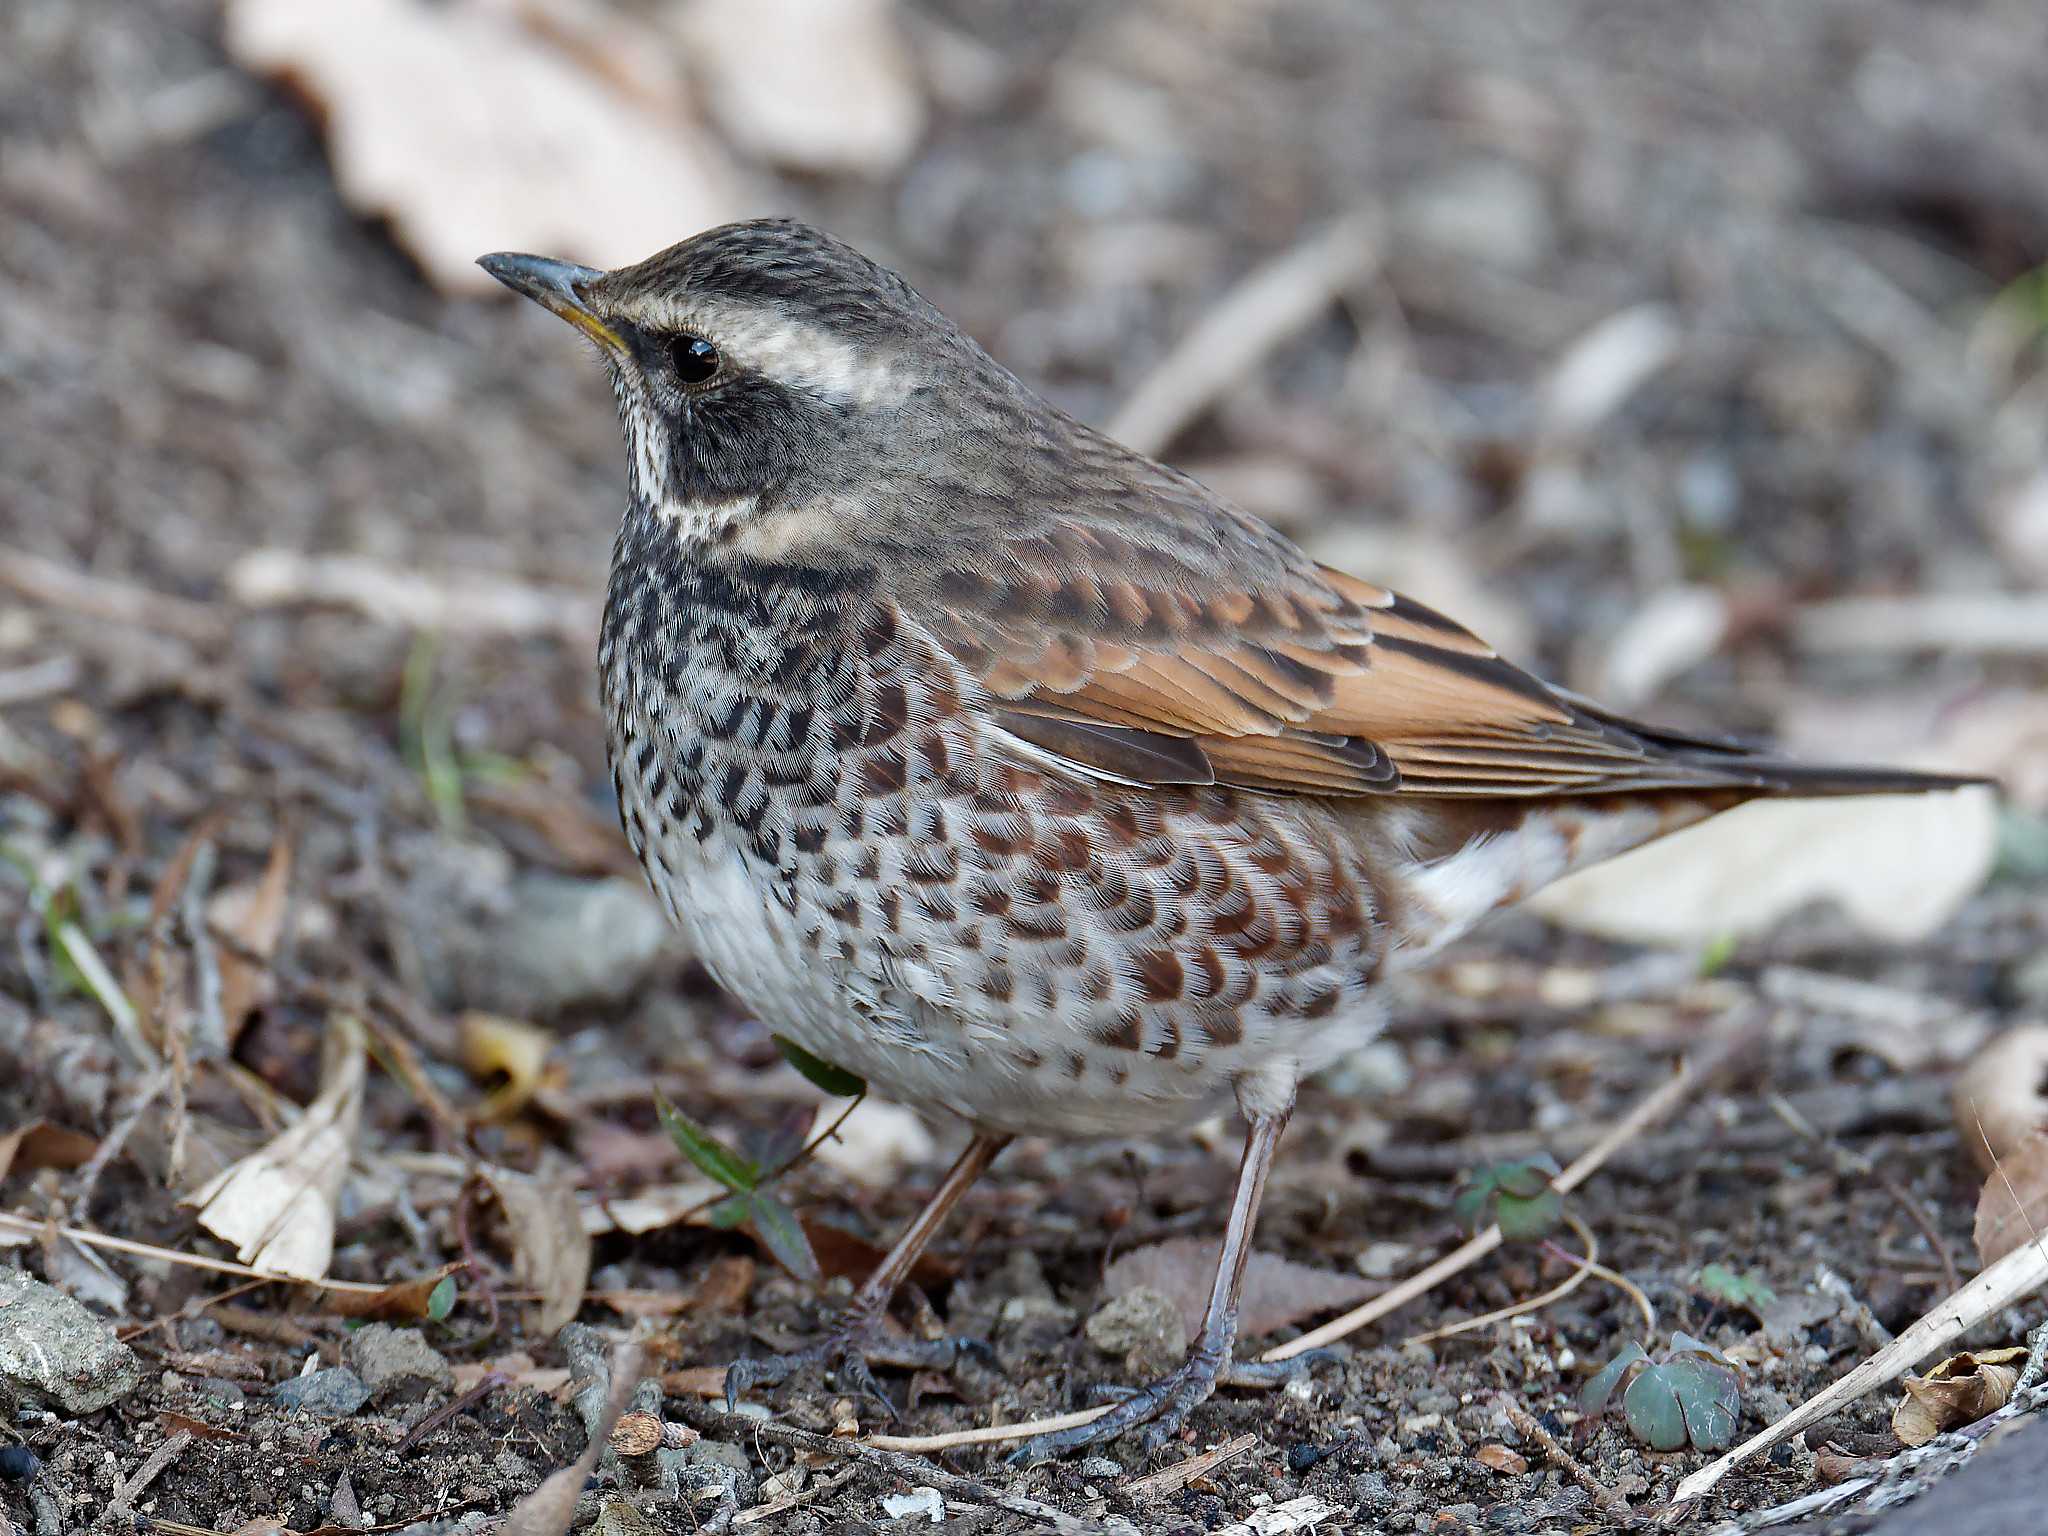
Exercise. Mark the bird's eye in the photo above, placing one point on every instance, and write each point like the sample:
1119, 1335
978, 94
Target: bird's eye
694, 359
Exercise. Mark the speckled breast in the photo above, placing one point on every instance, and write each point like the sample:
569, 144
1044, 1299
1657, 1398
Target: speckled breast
878, 873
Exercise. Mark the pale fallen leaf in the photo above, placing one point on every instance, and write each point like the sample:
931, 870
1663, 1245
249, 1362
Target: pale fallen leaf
1277, 1292
2000, 1099
474, 126
1959, 1391
1671, 633
252, 915
1900, 865
650, 1209
2013, 1209
877, 1142
820, 88
509, 1054
277, 1204
551, 1249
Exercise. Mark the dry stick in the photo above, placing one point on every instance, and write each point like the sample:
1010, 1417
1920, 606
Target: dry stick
1584, 1267
913, 1469
1529, 1427
189, 1260
147, 1473
1647, 1113
54, 586
992, 1434
1271, 304
2017, 1275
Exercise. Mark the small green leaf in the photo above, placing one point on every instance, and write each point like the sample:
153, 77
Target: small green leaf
782, 1235
1653, 1410
1517, 1195
1709, 1396
728, 1214
1746, 1290
441, 1299
1594, 1395
1719, 951
713, 1157
837, 1081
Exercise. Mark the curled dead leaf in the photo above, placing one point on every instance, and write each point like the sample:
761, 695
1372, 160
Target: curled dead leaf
475, 126
1959, 1391
44, 1144
508, 1054
2013, 1209
402, 1301
252, 915
551, 1249
1496, 1457
2001, 1098
277, 1204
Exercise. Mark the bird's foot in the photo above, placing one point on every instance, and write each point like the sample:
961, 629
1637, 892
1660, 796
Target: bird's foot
1164, 1405
852, 1351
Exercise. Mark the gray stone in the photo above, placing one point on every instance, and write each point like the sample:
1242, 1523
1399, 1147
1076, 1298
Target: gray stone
559, 944
53, 1350
1144, 1327
1484, 210
397, 1364
334, 1393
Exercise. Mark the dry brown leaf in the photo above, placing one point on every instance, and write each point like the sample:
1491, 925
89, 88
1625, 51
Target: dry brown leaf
277, 1204
399, 1302
2000, 1099
1959, 1391
551, 1249
2013, 1209
508, 1053
1496, 1457
252, 915
477, 127
1277, 1292
44, 1144
726, 1285
1900, 865
820, 88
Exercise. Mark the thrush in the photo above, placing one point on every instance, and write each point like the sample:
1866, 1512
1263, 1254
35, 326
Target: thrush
1025, 776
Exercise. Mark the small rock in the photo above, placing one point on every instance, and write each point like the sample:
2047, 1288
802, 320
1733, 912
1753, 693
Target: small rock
620, 1518
1143, 1326
334, 1393
53, 1350
562, 943
220, 1390
397, 1364
1100, 1466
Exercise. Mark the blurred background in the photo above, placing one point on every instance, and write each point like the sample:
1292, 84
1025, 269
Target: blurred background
1696, 355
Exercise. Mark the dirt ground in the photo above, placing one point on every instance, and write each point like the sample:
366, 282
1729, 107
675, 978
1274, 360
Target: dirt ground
205, 353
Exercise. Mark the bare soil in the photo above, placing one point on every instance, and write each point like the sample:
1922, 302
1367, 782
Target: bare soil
203, 352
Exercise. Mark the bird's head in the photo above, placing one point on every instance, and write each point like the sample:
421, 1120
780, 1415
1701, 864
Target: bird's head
772, 381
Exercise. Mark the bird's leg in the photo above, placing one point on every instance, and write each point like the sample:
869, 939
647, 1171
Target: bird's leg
857, 1339
1164, 1405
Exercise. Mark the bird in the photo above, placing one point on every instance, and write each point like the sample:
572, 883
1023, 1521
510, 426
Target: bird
1023, 775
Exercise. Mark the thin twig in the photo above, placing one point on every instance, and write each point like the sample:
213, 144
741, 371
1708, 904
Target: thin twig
1176, 1477
189, 1260
1531, 1428
992, 1434
1652, 1109
914, 1469
1584, 1267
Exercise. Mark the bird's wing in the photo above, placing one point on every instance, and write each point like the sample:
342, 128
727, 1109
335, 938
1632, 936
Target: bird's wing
1196, 645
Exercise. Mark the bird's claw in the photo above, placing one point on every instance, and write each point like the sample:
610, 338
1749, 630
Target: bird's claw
853, 1352
1163, 1406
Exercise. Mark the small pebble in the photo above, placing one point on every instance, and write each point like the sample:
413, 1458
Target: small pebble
1100, 1466
334, 1393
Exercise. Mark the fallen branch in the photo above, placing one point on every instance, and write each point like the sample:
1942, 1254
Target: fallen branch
2017, 1275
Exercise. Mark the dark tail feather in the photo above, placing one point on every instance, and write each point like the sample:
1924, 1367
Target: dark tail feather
1743, 764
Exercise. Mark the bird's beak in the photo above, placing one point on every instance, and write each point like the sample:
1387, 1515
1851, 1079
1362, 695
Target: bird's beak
555, 286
